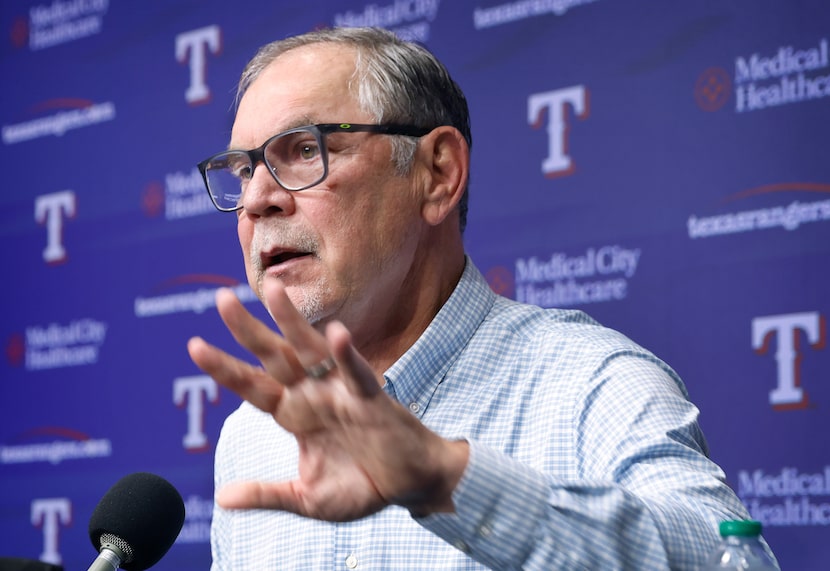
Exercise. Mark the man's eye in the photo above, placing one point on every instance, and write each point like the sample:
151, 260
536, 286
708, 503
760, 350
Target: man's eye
241, 171
308, 151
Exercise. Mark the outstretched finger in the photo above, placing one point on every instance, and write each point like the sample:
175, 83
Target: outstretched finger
310, 346
251, 383
356, 371
275, 354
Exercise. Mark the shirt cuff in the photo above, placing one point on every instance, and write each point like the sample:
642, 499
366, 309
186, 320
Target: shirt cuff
499, 510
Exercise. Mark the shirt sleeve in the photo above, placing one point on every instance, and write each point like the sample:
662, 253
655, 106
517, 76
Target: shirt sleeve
647, 496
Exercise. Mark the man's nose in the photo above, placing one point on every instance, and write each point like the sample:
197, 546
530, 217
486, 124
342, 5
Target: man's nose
264, 194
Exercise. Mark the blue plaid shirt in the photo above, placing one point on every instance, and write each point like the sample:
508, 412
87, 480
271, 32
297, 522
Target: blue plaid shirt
585, 453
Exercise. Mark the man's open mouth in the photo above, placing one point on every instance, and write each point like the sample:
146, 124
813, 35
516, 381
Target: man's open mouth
276, 258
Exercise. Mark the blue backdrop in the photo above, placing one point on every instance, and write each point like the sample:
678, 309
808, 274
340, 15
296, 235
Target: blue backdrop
662, 165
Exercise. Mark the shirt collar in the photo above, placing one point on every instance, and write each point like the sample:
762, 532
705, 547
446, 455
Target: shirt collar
413, 378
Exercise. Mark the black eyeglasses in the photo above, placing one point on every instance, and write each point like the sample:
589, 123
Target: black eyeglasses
297, 159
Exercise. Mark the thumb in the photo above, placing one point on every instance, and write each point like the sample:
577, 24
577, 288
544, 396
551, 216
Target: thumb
259, 495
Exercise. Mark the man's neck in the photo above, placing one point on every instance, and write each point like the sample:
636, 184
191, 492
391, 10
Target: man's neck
424, 293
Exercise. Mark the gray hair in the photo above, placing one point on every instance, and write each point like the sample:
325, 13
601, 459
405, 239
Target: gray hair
397, 82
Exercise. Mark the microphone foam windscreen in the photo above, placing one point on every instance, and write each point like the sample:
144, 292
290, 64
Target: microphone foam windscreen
145, 511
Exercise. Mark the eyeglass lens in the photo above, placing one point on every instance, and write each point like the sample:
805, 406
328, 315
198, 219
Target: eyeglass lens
296, 160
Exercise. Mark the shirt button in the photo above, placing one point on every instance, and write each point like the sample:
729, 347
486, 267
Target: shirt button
414, 407
461, 546
351, 561
486, 530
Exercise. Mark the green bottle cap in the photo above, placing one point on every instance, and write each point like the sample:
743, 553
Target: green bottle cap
740, 527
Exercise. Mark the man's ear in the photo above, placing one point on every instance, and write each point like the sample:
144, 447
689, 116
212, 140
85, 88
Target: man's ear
445, 158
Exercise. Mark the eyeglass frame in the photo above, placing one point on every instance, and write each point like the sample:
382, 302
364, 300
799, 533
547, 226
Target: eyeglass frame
319, 130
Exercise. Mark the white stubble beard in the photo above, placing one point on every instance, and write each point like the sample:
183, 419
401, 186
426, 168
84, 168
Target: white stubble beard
311, 303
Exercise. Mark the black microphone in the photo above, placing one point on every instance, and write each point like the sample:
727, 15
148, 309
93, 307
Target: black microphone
135, 523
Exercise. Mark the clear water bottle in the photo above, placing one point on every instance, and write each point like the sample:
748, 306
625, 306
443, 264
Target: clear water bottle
741, 548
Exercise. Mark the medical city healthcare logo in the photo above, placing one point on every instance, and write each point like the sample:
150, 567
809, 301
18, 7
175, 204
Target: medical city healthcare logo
567, 279
712, 89
501, 281
60, 22
789, 496
408, 19
782, 75
182, 195
791, 74
57, 345
198, 515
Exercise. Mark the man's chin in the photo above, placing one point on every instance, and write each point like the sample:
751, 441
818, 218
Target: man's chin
308, 299
308, 302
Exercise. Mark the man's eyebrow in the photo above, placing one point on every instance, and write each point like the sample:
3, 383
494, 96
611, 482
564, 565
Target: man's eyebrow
303, 121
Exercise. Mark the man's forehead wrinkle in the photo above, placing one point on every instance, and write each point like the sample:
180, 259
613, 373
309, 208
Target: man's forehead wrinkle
299, 60
302, 121
331, 55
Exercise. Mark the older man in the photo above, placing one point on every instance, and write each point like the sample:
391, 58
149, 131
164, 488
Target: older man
407, 417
